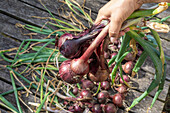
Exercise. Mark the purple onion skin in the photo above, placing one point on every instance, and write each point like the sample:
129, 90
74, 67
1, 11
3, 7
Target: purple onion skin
78, 109
87, 84
70, 50
67, 74
85, 95
105, 85
127, 67
75, 90
63, 38
70, 46
106, 55
110, 108
126, 78
139, 52
79, 66
113, 54
97, 108
101, 75
122, 89
103, 97
117, 99
119, 45
130, 57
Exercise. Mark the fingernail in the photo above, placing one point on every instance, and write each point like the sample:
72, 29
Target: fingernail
113, 39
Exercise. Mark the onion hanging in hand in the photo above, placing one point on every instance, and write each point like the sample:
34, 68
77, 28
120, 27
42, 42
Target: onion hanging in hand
67, 74
70, 46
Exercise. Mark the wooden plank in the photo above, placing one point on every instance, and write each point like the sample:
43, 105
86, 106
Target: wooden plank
9, 22
144, 104
54, 9
148, 65
11, 98
93, 4
3, 111
8, 28
7, 43
144, 80
24, 12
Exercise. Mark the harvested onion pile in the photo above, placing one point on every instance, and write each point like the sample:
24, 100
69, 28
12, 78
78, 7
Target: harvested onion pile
88, 53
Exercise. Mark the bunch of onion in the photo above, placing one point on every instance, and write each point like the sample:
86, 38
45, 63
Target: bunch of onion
74, 48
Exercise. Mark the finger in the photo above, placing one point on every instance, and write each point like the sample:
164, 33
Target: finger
114, 28
100, 18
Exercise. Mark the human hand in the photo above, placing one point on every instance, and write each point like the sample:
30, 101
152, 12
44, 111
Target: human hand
117, 11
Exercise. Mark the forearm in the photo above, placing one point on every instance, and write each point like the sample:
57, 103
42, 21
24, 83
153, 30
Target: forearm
151, 1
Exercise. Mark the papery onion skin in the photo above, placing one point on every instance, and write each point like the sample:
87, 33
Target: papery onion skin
85, 95
70, 46
97, 108
117, 99
78, 109
63, 38
103, 97
126, 78
122, 89
67, 74
127, 67
110, 108
101, 75
87, 84
105, 85
130, 57
79, 67
75, 90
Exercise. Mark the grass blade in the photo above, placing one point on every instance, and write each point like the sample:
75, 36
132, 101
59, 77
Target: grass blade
16, 94
8, 103
42, 103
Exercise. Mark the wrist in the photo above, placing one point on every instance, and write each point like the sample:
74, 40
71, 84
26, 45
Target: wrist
150, 1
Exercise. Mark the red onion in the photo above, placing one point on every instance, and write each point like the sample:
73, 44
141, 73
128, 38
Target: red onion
122, 89
130, 57
111, 67
110, 108
100, 75
119, 45
102, 97
105, 85
127, 67
97, 108
139, 52
106, 55
63, 38
70, 46
126, 78
87, 84
113, 54
117, 99
67, 74
75, 90
85, 95
78, 109
80, 66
